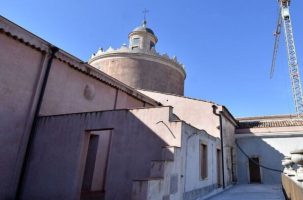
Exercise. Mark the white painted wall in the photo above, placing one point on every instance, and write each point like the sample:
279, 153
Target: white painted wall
270, 151
194, 185
197, 113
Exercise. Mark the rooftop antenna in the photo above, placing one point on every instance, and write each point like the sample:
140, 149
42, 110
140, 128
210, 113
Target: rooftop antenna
145, 11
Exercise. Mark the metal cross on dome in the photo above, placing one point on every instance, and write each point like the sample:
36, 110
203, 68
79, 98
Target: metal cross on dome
145, 11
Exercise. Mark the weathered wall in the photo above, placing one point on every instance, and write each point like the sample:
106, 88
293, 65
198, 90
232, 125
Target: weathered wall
19, 66
195, 186
142, 74
65, 92
270, 150
72, 87
229, 151
293, 188
126, 101
200, 115
197, 113
177, 176
56, 165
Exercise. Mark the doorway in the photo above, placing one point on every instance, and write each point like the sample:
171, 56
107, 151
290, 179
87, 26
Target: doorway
97, 156
254, 170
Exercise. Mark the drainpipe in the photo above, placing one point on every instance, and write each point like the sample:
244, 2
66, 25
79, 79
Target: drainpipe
53, 51
221, 136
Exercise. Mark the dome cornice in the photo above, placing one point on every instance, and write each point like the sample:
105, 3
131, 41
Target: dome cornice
149, 56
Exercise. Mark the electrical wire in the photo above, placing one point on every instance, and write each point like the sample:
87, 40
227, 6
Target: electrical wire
268, 168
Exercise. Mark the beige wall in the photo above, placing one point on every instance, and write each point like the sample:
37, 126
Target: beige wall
143, 74
200, 115
229, 150
195, 186
177, 174
194, 112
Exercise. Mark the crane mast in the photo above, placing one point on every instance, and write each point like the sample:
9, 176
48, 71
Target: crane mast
291, 53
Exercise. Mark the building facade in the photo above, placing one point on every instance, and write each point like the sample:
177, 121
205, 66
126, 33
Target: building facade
120, 127
262, 142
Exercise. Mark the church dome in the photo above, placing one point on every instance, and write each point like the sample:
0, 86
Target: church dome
143, 28
140, 66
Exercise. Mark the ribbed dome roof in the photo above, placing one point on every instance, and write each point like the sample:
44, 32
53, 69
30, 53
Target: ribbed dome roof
143, 28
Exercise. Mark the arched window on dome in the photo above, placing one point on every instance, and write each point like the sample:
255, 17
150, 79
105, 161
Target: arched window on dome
135, 43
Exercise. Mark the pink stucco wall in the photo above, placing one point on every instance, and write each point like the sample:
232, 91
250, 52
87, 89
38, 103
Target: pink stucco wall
19, 66
65, 92
126, 101
56, 168
22, 66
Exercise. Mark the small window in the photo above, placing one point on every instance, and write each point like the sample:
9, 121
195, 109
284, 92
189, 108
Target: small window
136, 42
203, 161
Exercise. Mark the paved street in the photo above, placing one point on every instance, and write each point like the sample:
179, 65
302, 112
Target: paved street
251, 192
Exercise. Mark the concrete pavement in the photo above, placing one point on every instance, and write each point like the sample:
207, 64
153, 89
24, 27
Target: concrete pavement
251, 192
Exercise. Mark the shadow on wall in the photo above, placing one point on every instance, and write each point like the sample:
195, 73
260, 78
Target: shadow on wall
260, 152
63, 147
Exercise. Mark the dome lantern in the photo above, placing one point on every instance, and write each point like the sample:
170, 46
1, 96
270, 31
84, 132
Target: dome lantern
142, 37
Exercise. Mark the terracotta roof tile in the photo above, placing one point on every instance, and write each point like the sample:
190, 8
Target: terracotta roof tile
268, 124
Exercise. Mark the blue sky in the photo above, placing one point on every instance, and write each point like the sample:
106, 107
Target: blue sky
226, 46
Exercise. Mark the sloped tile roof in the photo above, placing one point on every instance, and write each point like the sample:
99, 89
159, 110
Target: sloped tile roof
268, 124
